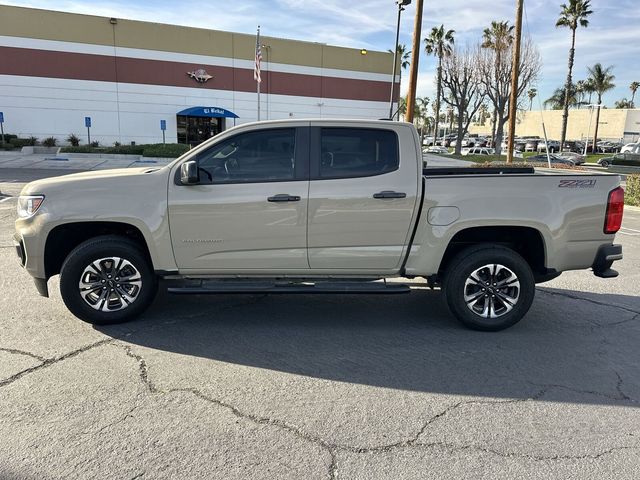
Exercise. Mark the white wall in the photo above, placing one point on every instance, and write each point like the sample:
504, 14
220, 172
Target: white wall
124, 112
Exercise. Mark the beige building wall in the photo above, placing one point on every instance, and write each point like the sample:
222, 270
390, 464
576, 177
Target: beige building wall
615, 124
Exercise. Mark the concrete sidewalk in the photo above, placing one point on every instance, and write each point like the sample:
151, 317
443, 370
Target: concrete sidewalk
77, 161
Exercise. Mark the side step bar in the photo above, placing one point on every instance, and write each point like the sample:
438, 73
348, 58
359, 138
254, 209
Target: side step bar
207, 287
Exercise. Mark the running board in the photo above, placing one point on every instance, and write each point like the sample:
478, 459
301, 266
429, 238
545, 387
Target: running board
218, 287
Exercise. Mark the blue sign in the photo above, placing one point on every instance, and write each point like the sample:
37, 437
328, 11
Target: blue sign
87, 122
1, 117
163, 124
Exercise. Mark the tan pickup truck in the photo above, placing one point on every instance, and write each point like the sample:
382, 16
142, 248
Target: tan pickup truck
316, 206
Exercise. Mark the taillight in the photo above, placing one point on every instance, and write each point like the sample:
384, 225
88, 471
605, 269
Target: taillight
615, 208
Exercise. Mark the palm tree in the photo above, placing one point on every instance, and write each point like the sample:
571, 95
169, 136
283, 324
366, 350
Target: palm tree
532, 93
634, 88
439, 43
624, 103
588, 88
557, 100
572, 16
498, 37
602, 80
405, 59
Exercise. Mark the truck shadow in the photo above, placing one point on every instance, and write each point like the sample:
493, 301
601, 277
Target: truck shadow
578, 350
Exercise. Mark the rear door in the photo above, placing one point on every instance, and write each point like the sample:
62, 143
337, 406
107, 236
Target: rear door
362, 197
248, 213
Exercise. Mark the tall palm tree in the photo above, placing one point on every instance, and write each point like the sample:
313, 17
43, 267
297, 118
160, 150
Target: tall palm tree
602, 79
498, 37
439, 43
580, 84
404, 56
532, 93
634, 88
588, 88
572, 16
557, 100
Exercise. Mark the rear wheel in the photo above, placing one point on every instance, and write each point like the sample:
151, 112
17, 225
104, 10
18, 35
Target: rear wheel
107, 280
489, 288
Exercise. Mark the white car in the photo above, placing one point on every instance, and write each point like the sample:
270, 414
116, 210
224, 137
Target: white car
478, 151
631, 148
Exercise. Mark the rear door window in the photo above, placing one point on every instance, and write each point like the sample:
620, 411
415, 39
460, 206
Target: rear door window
357, 152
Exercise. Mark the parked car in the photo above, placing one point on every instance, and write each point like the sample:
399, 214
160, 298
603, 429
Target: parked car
631, 148
246, 212
621, 159
437, 150
531, 145
555, 159
576, 158
428, 141
478, 151
554, 146
609, 147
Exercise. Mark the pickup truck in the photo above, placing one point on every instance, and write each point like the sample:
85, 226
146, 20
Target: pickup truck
315, 206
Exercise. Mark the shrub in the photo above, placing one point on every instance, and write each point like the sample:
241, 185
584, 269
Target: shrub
32, 141
20, 142
95, 144
632, 195
78, 149
50, 142
169, 150
125, 149
73, 139
116, 144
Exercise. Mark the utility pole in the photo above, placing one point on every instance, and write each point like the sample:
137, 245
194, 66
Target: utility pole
415, 56
515, 75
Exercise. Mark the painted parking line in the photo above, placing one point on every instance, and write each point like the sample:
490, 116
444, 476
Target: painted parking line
630, 232
6, 199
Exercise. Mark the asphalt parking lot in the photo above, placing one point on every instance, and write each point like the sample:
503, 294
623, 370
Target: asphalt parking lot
320, 387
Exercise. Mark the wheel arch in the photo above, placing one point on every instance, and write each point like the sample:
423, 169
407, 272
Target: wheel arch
63, 238
527, 241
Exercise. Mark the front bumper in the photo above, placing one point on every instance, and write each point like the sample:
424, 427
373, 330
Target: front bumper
607, 254
41, 283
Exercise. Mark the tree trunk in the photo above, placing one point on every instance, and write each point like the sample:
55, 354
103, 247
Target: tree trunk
438, 94
595, 135
633, 97
494, 124
567, 90
530, 104
500, 135
460, 129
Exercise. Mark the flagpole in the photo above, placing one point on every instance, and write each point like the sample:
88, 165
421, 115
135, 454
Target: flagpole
258, 81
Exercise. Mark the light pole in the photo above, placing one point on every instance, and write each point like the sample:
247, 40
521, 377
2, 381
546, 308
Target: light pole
401, 4
586, 144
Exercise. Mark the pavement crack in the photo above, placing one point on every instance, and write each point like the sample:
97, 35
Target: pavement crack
52, 361
620, 397
596, 302
619, 385
143, 369
333, 466
15, 351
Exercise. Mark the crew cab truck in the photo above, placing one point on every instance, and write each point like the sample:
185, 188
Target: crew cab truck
315, 206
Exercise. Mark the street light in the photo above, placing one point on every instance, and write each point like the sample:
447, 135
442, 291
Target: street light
401, 4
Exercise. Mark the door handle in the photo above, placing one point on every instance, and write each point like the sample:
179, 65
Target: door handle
390, 194
284, 197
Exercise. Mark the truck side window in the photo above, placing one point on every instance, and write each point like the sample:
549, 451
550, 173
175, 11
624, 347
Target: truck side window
357, 152
252, 157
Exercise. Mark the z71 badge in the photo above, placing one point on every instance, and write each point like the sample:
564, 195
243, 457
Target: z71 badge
577, 183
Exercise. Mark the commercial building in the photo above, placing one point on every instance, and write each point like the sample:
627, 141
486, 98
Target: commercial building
128, 76
615, 124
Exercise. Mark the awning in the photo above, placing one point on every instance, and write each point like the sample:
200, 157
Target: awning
211, 112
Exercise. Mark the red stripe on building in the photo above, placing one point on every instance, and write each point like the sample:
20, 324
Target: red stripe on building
83, 66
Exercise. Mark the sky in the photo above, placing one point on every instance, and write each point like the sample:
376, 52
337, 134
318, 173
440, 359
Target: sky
612, 38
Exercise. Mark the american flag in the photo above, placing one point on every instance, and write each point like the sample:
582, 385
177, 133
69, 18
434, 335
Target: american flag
256, 68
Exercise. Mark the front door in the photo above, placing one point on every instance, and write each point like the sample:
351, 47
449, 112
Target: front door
362, 199
248, 213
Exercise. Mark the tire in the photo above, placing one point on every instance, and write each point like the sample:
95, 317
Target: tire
604, 163
80, 282
478, 310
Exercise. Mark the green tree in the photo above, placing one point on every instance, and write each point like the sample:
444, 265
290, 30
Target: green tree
572, 15
404, 56
634, 88
498, 37
624, 103
557, 100
439, 43
602, 80
532, 93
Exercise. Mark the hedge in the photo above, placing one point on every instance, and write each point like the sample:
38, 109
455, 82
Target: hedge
169, 150
632, 195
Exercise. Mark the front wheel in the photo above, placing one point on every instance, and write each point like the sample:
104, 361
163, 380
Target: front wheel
489, 288
604, 163
107, 280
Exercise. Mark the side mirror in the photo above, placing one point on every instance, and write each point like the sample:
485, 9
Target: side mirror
189, 173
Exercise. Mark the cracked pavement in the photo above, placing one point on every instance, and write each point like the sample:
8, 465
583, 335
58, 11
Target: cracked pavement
326, 387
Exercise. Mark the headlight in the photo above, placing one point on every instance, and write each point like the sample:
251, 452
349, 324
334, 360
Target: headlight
28, 205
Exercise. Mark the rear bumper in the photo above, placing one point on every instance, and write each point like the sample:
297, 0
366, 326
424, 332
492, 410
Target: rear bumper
607, 254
